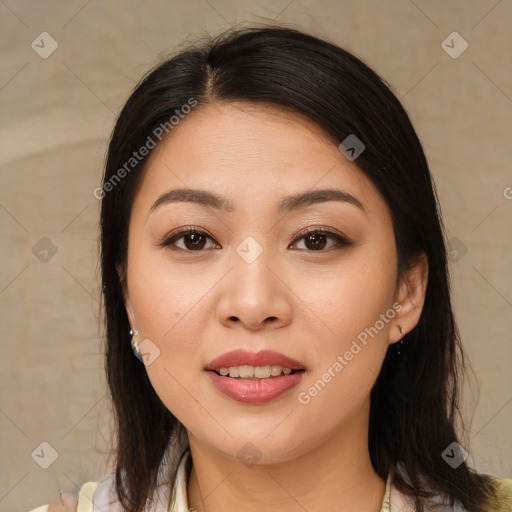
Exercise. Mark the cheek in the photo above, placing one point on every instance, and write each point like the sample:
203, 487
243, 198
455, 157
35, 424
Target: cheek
164, 308
351, 295
169, 302
356, 308
164, 295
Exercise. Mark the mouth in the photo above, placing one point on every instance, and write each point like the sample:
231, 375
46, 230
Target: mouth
254, 377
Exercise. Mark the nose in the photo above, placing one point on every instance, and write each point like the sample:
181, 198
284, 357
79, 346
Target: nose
255, 295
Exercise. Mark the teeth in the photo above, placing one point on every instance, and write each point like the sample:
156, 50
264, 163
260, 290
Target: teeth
251, 372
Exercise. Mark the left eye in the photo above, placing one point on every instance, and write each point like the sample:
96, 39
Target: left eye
194, 240
316, 240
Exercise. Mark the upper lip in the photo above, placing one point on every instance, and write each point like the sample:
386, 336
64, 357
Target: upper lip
242, 357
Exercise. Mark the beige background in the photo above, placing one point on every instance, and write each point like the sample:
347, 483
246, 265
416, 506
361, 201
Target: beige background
57, 115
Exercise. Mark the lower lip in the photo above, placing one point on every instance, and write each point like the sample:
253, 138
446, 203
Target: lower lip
255, 391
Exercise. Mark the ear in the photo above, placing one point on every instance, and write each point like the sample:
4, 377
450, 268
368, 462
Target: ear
410, 295
121, 272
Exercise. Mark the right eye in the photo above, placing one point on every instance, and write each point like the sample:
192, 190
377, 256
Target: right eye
194, 240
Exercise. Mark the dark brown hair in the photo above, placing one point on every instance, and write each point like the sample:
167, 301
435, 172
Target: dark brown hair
414, 403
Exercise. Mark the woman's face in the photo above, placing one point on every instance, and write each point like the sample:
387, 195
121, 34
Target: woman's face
255, 281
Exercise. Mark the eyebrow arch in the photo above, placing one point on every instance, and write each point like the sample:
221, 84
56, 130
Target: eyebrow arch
285, 204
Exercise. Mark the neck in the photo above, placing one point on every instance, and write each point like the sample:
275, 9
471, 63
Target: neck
336, 474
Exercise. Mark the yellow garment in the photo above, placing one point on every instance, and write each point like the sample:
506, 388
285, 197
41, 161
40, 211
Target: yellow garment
179, 501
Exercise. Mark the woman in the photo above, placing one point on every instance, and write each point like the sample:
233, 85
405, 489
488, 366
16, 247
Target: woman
273, 249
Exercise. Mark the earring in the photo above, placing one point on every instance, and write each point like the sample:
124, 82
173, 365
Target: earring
400, 343
133, 342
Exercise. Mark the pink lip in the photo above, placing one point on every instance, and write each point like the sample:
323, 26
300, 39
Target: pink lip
255, 391
258, 390
263, 358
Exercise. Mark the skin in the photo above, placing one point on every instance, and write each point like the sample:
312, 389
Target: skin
307, 304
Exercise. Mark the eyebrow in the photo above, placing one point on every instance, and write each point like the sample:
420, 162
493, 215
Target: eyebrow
285, 204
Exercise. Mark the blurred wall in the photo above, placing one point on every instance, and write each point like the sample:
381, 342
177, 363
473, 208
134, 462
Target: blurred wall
67, 68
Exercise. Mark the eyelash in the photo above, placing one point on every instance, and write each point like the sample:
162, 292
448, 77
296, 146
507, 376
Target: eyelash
339, 238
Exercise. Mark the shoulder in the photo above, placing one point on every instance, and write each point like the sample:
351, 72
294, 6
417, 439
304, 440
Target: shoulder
500, 501
85, 495
104, 491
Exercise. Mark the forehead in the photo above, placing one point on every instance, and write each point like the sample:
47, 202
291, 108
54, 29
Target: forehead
252, 154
